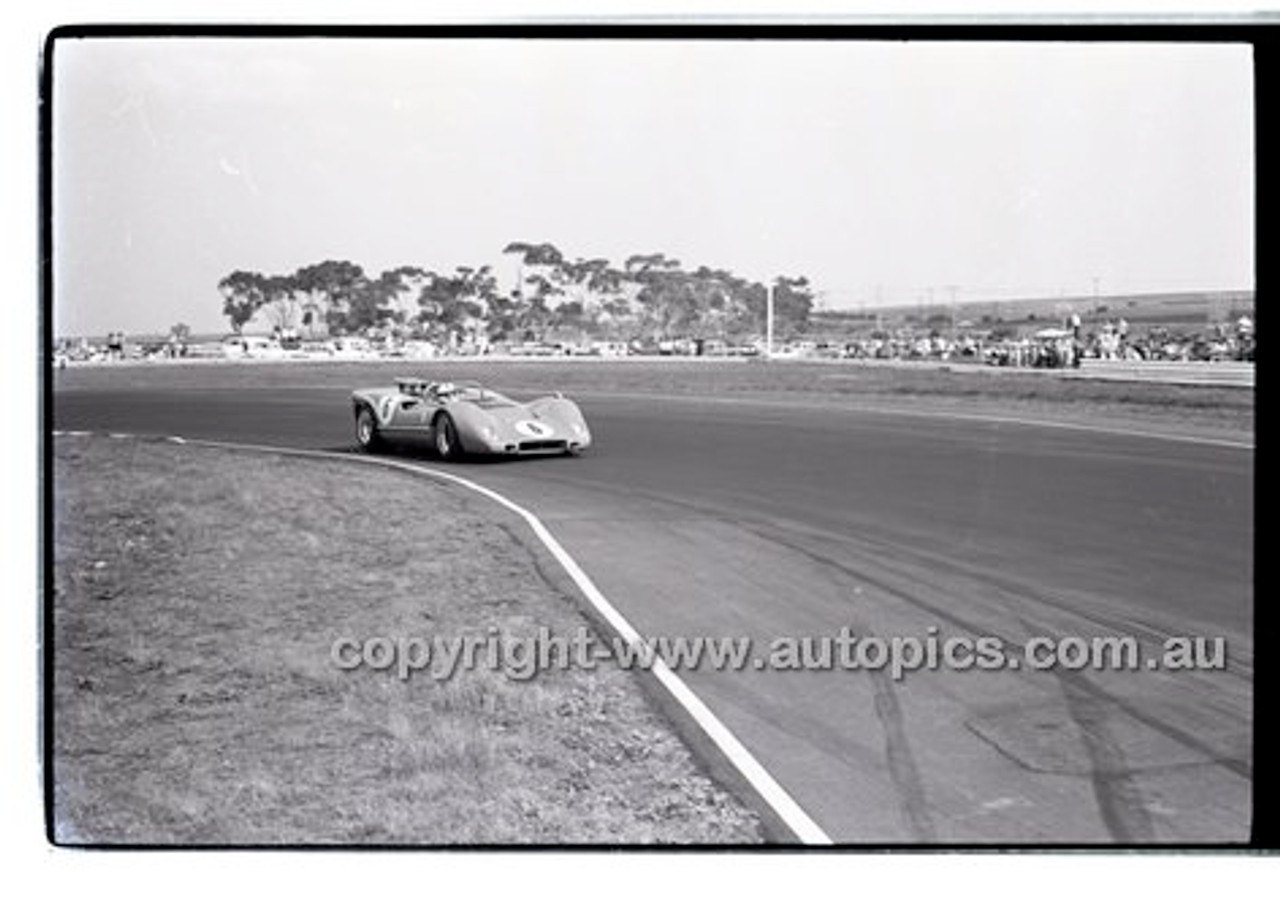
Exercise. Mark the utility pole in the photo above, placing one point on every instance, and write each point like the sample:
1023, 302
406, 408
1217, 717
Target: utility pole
768, 318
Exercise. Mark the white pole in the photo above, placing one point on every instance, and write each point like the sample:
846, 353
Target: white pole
768, 317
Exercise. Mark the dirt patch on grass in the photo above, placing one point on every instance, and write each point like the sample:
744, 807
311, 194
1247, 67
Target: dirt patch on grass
1199, 410
197, 594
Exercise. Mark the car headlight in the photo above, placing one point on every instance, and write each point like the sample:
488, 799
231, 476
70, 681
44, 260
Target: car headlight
489, 433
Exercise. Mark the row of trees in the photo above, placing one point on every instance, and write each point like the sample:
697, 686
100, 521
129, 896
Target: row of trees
651, 296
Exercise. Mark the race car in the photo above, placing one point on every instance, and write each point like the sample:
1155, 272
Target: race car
467, 418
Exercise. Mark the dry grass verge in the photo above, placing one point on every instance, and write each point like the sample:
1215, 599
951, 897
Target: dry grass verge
197, 593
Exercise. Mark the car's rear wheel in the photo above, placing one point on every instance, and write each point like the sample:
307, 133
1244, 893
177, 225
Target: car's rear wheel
446, 437
367, 436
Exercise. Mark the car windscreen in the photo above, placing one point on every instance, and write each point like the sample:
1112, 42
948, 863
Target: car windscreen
484, 398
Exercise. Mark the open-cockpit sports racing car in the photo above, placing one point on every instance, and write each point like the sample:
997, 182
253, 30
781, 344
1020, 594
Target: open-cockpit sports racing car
467, 418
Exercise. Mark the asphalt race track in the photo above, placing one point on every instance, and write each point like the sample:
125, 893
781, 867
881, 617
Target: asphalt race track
700, 518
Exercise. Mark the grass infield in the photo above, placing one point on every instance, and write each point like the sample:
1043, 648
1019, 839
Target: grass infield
197, 593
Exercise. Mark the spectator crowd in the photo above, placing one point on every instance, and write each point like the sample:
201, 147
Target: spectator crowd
1067, 346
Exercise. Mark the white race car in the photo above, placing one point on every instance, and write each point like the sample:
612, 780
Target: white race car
466, 418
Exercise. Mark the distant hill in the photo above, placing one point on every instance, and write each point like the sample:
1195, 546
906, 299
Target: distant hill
1183, 310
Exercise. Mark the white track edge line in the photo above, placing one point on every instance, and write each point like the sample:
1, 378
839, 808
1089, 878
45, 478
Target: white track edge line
806, 830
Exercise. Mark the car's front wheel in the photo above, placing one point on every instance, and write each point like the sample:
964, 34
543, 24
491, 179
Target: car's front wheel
446, 436
367, 430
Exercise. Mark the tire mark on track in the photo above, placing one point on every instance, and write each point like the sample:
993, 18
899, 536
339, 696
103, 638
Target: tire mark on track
1235, 766
903, 770
1169, 730
1119, 799
1239, 666
1121, 804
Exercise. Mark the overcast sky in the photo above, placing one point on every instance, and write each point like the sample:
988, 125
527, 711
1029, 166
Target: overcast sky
878, 170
